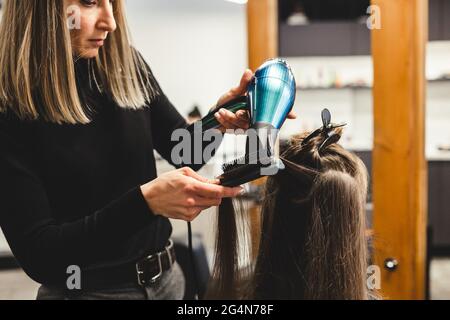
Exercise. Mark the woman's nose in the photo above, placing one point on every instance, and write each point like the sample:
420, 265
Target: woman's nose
106, 21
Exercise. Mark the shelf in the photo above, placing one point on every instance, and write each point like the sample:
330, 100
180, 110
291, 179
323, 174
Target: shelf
361, 87
334, 88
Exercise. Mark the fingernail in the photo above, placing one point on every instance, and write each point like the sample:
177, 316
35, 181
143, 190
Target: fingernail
222, 112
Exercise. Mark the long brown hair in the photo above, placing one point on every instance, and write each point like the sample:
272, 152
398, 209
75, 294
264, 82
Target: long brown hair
312, 240
37, 73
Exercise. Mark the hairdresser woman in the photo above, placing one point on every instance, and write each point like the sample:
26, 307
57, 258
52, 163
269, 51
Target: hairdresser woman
80, 117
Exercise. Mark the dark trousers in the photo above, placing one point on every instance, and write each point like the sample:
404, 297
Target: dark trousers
171, 286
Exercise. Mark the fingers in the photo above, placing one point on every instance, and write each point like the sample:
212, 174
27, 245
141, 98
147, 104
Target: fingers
195, 205
292, 115
194, 212
214, 191
240, 90
206, 188
191, 173
224, 122
242, 115
245, 80
190, 214
202, 202
229, 120
215, 181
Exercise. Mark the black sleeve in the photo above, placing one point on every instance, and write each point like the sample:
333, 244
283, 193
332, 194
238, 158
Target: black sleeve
36, 238
165, 119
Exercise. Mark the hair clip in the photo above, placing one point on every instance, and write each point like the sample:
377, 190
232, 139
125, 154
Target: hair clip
327, 130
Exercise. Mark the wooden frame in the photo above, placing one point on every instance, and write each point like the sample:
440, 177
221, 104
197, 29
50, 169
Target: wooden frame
262, 25
399, 165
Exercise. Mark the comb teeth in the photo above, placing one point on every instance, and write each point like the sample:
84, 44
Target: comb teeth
261, 157
236, 174
240, 161
233, 164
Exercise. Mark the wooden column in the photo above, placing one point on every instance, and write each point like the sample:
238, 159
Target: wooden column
262, 25
399, 165
262, 28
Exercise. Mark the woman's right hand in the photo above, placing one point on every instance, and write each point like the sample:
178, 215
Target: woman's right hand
182, 194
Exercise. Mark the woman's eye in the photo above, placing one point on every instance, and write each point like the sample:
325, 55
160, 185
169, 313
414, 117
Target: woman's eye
89, 3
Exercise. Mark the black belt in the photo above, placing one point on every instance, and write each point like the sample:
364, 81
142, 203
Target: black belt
144, 272
151, 268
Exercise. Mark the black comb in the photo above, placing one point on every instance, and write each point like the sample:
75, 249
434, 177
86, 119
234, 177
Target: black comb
252, 166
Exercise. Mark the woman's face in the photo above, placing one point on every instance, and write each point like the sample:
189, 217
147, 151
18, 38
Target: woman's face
90, 22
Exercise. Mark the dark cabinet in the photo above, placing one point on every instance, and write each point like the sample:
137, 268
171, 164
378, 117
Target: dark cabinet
361, 39
446, 20
439, 21
435, 20
316, 39
434, 198
439, 202
366, 157
324, 39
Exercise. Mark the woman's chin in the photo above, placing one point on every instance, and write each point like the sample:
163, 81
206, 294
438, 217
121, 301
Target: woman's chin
88, 53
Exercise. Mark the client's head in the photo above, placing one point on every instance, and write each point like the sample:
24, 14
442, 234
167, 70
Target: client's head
313, 231
312, 240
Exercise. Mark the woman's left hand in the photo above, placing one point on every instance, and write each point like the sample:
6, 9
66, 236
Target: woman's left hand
240, 119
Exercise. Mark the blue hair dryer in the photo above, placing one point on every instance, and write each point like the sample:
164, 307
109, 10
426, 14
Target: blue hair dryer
270, 97
271, 94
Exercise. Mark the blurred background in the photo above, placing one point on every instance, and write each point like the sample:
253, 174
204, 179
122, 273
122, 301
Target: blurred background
198, 49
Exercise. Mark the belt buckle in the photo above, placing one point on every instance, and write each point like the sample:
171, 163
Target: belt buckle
167, 249
140, 273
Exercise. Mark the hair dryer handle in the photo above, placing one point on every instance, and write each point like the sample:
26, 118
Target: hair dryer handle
210, 122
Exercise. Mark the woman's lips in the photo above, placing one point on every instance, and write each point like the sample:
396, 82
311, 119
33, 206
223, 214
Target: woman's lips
97, 42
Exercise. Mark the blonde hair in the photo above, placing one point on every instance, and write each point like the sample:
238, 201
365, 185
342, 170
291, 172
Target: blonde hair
37, 73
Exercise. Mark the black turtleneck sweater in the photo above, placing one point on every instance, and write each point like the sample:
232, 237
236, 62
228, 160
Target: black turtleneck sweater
70, 194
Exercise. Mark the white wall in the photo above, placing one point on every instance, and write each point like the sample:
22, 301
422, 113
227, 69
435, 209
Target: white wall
196, 48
